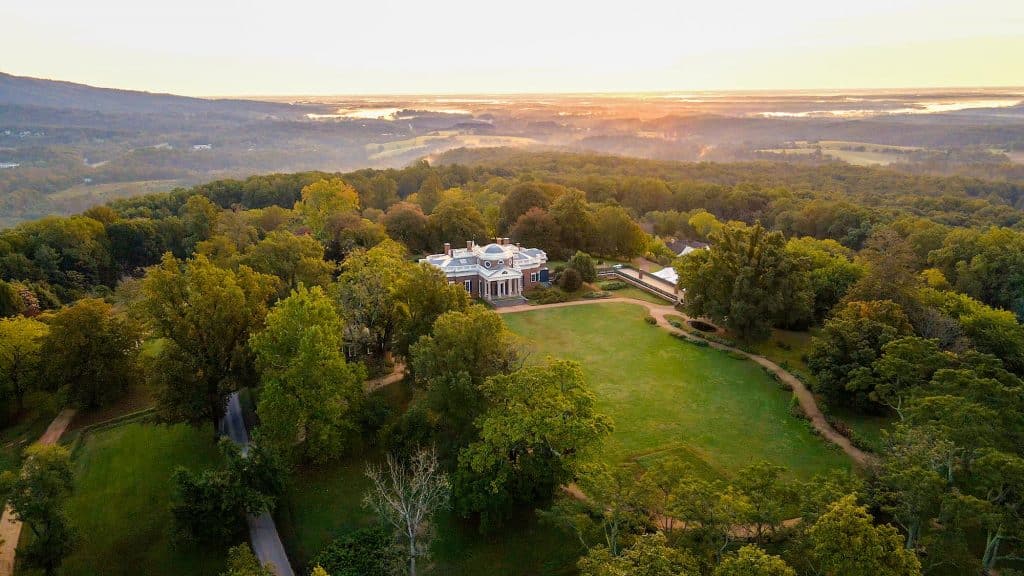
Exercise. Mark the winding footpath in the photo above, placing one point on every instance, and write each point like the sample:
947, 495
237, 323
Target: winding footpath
10, 527
808, 404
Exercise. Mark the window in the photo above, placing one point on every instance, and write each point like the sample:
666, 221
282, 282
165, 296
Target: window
487, 263
469, 286
533, 276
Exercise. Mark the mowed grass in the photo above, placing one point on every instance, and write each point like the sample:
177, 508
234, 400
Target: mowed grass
325, 503
120, 506
668, 397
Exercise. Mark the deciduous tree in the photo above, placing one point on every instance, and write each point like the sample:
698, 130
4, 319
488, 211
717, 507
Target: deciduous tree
205, 315
309, 395
406, 496
37, 495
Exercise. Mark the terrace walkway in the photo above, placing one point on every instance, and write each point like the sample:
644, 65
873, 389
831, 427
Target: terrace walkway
804, 396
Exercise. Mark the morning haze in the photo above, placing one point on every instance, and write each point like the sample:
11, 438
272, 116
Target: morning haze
542, 288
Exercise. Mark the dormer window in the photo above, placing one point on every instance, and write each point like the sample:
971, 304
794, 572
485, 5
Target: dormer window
487, 263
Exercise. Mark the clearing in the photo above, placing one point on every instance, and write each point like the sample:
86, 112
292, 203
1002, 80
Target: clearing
667, 396
120, 506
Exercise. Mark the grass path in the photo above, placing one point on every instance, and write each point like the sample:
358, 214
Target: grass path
10, 528
803, 395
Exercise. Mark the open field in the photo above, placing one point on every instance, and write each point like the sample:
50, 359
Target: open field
107, 192
857, 153
121, 499
325, 503
441, 141
670, 397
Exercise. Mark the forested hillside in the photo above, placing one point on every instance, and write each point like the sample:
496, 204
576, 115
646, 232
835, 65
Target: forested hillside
896, 298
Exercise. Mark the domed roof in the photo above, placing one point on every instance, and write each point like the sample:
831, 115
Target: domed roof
493, 249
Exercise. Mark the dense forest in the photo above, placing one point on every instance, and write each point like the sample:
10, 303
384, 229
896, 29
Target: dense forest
303, 285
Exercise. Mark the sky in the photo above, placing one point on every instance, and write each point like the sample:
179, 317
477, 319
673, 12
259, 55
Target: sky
330, 47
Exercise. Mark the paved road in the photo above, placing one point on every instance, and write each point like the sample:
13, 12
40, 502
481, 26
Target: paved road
10, 528
266, 542
803, 395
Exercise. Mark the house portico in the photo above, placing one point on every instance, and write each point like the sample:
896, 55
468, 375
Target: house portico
500, 270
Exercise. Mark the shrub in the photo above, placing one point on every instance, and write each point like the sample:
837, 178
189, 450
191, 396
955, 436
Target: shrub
612, 285
650, 320
570, 280
582, 263
597, 294
365, 552
542, 295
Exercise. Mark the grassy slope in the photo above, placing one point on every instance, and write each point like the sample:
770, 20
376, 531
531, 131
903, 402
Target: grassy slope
122, 494
669, 396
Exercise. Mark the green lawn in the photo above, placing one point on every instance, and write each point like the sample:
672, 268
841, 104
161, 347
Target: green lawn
787, 349
325, 503
670, 397
638, 294
121, 499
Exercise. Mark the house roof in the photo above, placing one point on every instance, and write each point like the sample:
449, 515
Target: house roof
667, 274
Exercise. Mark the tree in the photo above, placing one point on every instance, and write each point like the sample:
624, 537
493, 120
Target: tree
463, 350
242, 562
828, 269
584, 264
851, 339
910, 486
21, 342
210, 506
540, 425
752, 561
363, 552
406, 223
889, 273
294, 259
614, 501
367, 296
406, 497
11, 303
649, 555
538, 229
845, 542
381, 193
770, 497
429, 194
91, 351
309, 394
905, 366
617, 234
37, 495
206, 315
705, 223
999, 487
742, 281
570, 280
323, 198
456, 220
199, 217
424, 293
519, 200
573, 217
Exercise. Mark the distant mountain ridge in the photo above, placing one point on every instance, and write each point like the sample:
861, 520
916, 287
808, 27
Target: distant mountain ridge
38, 92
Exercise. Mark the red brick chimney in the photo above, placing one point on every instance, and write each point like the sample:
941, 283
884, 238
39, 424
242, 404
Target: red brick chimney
447, 249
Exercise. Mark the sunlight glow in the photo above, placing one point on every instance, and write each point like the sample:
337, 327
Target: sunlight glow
233, 47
